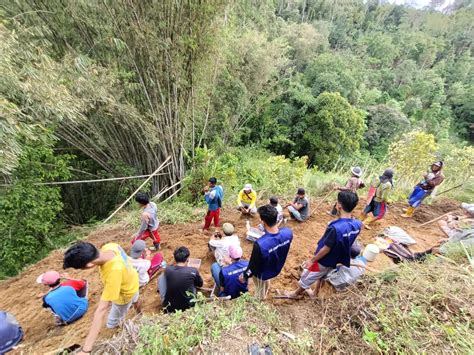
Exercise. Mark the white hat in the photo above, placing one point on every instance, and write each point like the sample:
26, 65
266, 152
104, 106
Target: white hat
356, 171
248, 187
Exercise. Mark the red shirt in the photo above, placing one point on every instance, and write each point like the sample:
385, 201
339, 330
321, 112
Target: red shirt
75, 284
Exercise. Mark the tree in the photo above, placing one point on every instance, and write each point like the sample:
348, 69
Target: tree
332, 128
383, 124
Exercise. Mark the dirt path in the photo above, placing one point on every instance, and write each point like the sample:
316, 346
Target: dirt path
19, 294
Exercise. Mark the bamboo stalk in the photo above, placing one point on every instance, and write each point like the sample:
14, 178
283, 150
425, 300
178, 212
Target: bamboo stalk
165, 163
435, 219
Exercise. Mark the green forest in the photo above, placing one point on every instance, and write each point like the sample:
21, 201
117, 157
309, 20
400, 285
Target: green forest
272, 92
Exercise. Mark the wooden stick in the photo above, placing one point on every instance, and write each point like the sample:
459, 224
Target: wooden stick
452, 188
435, 219
165, 163
321, 202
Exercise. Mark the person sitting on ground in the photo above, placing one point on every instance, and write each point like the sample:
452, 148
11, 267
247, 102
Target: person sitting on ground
333, 248
269, 251
149, 221
433, 178
459, 227
121, 287
10, 332
344, 276
142, 265
177, 285
213, 194
298, 209
220, 245
67, 300
377, 199
227, 280
246, 200
352, 185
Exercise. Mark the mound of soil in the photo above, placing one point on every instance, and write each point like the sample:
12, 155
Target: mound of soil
19, 295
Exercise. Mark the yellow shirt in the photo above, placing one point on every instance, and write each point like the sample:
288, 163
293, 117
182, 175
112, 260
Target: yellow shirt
119, 276
251, 199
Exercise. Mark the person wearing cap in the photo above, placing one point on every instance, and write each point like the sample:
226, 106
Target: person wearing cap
10, 332
213, 195
433, 178
120, 279
149, 221
247, 200
227, 281
67, 299
352, 185
377, 199
269, 252
220, 245
299, 208
142, 265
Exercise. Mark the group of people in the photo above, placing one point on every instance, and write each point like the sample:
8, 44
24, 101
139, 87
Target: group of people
336, 254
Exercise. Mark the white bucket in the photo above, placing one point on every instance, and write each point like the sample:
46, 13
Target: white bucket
370, 252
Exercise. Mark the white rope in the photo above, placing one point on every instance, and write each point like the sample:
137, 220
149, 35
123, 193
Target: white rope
91, 181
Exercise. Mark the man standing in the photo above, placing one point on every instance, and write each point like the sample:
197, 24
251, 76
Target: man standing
431, 180
334, 247
149, 220
378, 197
120, 281
298, 209
269, 251
246, 200
352, 185
213, 194
178, 283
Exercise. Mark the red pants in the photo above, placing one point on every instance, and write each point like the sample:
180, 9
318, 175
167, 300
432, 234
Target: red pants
155, 236
209, 216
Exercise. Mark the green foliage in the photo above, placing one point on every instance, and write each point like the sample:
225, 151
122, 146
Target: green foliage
413, 153
333, 128
28, 212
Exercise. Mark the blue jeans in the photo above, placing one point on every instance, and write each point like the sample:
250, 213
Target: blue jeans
295, 213
215, 271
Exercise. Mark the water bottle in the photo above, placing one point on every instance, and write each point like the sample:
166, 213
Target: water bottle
163, 264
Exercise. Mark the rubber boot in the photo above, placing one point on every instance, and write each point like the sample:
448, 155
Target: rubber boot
367, 221
409, 212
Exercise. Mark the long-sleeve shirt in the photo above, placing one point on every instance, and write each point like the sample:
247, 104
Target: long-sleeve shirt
149, 220
352, 185
255, 262
214, 197
430, 184
383, 190
249, 198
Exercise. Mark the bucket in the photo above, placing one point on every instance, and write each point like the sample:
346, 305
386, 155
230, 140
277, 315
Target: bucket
370, 252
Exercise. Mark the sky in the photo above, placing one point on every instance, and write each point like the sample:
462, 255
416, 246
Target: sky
415, 3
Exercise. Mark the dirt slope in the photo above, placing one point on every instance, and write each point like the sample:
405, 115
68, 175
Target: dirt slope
19, 294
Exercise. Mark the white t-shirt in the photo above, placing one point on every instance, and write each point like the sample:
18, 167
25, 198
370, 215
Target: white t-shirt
280, 213
222, 247
142, 266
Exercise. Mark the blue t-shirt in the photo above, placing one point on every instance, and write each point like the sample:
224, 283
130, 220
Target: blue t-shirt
66, 304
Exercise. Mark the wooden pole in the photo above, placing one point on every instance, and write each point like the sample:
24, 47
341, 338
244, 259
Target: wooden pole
452, 188
165, 163
321, 202
435, 219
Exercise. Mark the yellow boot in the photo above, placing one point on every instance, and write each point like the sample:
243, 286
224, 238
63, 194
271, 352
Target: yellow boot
367, 221
409, 212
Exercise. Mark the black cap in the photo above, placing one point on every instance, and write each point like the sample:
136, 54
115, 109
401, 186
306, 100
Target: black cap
388, 173
213, 180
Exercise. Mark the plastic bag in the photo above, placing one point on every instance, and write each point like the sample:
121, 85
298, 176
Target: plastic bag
398, 235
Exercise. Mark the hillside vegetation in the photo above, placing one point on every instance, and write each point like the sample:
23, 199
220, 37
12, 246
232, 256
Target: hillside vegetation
249, 91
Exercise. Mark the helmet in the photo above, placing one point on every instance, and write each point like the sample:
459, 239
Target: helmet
355, 170
10, 332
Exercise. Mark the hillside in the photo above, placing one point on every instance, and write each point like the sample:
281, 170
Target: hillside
18, 294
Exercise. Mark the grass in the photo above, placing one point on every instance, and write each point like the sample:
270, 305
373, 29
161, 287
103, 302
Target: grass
416, 308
